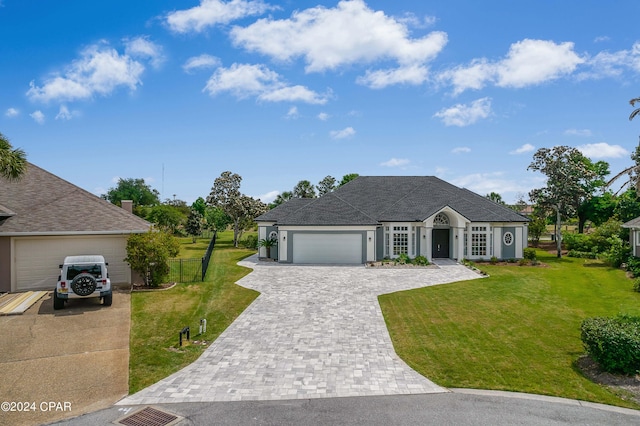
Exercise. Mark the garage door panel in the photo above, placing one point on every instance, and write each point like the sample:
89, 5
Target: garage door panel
327, 248
36, 260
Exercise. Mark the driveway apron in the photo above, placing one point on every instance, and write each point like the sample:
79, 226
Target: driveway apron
314, 332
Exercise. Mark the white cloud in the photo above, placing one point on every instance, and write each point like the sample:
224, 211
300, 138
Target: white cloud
244, 80
528, 62
350, 33
323, 116
600, 39
461, 150
606, 64
527, 147
578, 132
12, 112
465, 114
602, 150
141, 47
268, 197
395, 162
64, 113
342, 134
37, 116
293, 113
99, 71
203, 61
412, 74
213, 12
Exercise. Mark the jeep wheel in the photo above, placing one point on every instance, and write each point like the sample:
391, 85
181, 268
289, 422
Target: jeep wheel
83, 284
106, 300
57, 302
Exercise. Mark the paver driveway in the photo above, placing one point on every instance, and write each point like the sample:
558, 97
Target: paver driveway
315, 331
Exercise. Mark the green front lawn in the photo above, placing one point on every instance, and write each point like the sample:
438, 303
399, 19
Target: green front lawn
518, 330
157, 317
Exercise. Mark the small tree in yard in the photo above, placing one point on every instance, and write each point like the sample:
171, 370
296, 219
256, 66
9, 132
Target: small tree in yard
194, 224
148, 254
567, 170
268, 243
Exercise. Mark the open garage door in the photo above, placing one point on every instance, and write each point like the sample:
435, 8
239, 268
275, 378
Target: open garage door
327, 248
37, 259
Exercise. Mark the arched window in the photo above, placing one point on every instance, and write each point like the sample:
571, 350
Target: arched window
441, 220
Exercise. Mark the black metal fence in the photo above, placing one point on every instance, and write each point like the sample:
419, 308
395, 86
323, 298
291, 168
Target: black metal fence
191, 270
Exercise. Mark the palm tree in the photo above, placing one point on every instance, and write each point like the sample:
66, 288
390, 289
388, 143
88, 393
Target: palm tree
634, 171
13, 162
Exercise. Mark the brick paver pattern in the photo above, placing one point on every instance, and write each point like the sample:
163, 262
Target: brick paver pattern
314, 332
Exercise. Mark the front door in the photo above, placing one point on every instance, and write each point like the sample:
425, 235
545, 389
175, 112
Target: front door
440, 244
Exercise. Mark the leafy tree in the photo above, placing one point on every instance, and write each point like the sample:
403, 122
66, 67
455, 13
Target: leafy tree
537, 227
281, 199
592, 186
496, 198
304, 189
326, 185
167, 217
567, 173
226, 195
148, 254
348, 178
200, 206
598, 209
628, 205
133, 189
13, 162
217, 219
194, 224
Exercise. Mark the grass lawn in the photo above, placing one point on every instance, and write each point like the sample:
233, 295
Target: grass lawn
518, 330
157, 317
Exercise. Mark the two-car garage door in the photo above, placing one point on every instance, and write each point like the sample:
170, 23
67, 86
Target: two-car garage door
327, 248
36, 260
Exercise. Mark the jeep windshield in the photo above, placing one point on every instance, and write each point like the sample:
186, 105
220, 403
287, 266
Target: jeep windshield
74, 270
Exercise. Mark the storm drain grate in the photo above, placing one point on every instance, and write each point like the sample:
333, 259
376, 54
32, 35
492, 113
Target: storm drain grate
149, 416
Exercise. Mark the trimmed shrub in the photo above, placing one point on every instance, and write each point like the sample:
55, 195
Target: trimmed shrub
633, 265
618, 252
493, 260
421, 260
529, 253
523, 262
251, 242
582, 254
614, 343
403, 258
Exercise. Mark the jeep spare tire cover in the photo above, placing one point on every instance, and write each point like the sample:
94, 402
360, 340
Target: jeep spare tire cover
83, 284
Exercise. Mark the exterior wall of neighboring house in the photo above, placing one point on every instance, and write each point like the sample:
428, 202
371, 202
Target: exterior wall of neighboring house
34, 260
634, 240
5, 264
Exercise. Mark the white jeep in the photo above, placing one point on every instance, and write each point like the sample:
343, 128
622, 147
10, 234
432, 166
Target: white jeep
82, 277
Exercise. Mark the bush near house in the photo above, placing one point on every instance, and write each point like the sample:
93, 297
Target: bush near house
614, 343
148, 254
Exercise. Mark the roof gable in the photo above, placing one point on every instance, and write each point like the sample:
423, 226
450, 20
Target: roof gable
43, 203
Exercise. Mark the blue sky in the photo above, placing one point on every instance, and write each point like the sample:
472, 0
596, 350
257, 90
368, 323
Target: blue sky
176, 92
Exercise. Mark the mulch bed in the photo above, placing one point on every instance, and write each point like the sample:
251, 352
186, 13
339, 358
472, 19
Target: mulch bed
142, 287
629, 385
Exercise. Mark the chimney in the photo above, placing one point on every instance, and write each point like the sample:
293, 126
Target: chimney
127, 205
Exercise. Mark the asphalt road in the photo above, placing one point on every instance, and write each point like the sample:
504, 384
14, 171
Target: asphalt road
456, 408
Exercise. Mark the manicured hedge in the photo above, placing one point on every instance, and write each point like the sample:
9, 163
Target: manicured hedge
614, 343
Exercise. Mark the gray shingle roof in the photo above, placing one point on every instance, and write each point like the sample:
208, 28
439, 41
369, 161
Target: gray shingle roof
633, 223
368, 200
42, 203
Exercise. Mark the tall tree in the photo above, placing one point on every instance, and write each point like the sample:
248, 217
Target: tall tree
199, 205
496, 198
304, 189
567, 172
226, 195
326, 185
194, 224
594, 186
281, 199
133, 189
348, 178
13, 162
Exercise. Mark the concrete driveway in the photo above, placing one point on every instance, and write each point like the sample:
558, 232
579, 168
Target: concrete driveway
314, 332
76, 358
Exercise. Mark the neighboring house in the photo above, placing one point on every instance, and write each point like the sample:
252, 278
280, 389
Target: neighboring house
44, 218
634, 235
375, 217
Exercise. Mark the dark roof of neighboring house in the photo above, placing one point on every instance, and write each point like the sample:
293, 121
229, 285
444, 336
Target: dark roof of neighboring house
633, 223
42, 203
369, 200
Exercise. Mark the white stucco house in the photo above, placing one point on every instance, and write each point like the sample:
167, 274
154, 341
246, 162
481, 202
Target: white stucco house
376, 217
